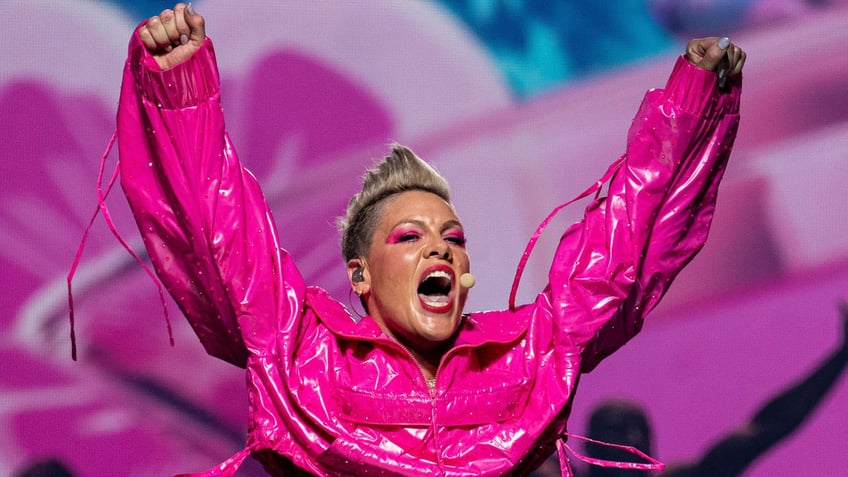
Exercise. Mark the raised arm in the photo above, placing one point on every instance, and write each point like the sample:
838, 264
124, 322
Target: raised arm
615, 265
204, 221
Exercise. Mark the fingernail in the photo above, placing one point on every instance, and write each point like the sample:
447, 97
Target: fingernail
722, 78
190, 9
724, 43
168, 48
183, 39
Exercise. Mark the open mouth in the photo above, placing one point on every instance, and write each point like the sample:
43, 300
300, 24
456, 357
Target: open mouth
434, 291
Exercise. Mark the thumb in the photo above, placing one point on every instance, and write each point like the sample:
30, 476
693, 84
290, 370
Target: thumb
196, 24
714, 50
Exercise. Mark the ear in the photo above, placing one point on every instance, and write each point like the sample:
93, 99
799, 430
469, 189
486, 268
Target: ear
362, 283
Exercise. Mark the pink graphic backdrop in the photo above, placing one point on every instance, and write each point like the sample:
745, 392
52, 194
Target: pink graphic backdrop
310, 104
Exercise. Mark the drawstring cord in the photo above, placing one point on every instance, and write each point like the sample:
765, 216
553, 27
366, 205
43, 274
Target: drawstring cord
101, 208
565, 465
562, 446
594, 188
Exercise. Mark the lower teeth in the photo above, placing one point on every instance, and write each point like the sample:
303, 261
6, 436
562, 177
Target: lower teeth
435, 300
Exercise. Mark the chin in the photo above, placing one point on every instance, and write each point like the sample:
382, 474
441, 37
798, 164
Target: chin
441, 332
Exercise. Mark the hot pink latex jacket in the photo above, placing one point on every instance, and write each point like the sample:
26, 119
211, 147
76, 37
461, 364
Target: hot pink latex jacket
335, 396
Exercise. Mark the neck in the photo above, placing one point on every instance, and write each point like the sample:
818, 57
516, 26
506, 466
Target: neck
427, 361
427, 357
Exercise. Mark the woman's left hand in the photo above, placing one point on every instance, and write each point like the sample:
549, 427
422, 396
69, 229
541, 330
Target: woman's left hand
716, 54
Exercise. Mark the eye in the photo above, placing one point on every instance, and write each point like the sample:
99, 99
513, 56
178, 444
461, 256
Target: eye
458, 240
408, 237
404, 235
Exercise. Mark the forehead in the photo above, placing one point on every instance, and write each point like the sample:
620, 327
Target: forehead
419, 206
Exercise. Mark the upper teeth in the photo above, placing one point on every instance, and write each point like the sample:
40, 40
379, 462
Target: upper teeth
438, 274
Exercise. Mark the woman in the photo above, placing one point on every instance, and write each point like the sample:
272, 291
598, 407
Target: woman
416, 387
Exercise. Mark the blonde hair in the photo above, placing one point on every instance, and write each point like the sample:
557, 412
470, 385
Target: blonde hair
401, 171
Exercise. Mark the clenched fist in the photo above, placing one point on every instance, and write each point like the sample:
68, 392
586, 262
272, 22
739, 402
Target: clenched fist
173, 35
716, 54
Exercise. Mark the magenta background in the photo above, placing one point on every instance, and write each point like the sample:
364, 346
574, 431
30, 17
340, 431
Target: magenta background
309, 105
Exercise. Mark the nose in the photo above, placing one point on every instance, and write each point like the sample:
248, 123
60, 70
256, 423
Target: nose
438, 248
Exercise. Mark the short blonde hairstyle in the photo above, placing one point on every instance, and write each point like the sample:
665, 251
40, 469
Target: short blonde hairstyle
401, 171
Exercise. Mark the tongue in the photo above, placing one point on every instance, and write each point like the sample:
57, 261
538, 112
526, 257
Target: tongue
438, 299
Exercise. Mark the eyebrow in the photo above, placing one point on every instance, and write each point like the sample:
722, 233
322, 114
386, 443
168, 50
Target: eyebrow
451, 223
420, 223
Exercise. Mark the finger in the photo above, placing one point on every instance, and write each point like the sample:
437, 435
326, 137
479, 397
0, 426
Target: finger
147, 39
694, 51
170, 25
741, 56
715, 51
732, 55
158, 34
196, 23
182, 27
733, 60
728, 63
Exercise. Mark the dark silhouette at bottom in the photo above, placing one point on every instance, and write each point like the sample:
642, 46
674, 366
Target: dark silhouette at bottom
625, 422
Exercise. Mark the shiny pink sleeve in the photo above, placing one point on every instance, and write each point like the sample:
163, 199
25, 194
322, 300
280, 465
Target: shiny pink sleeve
615, 265
204, 221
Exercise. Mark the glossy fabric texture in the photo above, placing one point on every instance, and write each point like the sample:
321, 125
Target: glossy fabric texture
335, 396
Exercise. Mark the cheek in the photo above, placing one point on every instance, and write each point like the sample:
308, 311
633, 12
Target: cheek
463, 258
396, 270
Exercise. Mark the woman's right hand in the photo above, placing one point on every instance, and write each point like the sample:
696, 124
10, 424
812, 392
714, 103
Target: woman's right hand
174, 35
